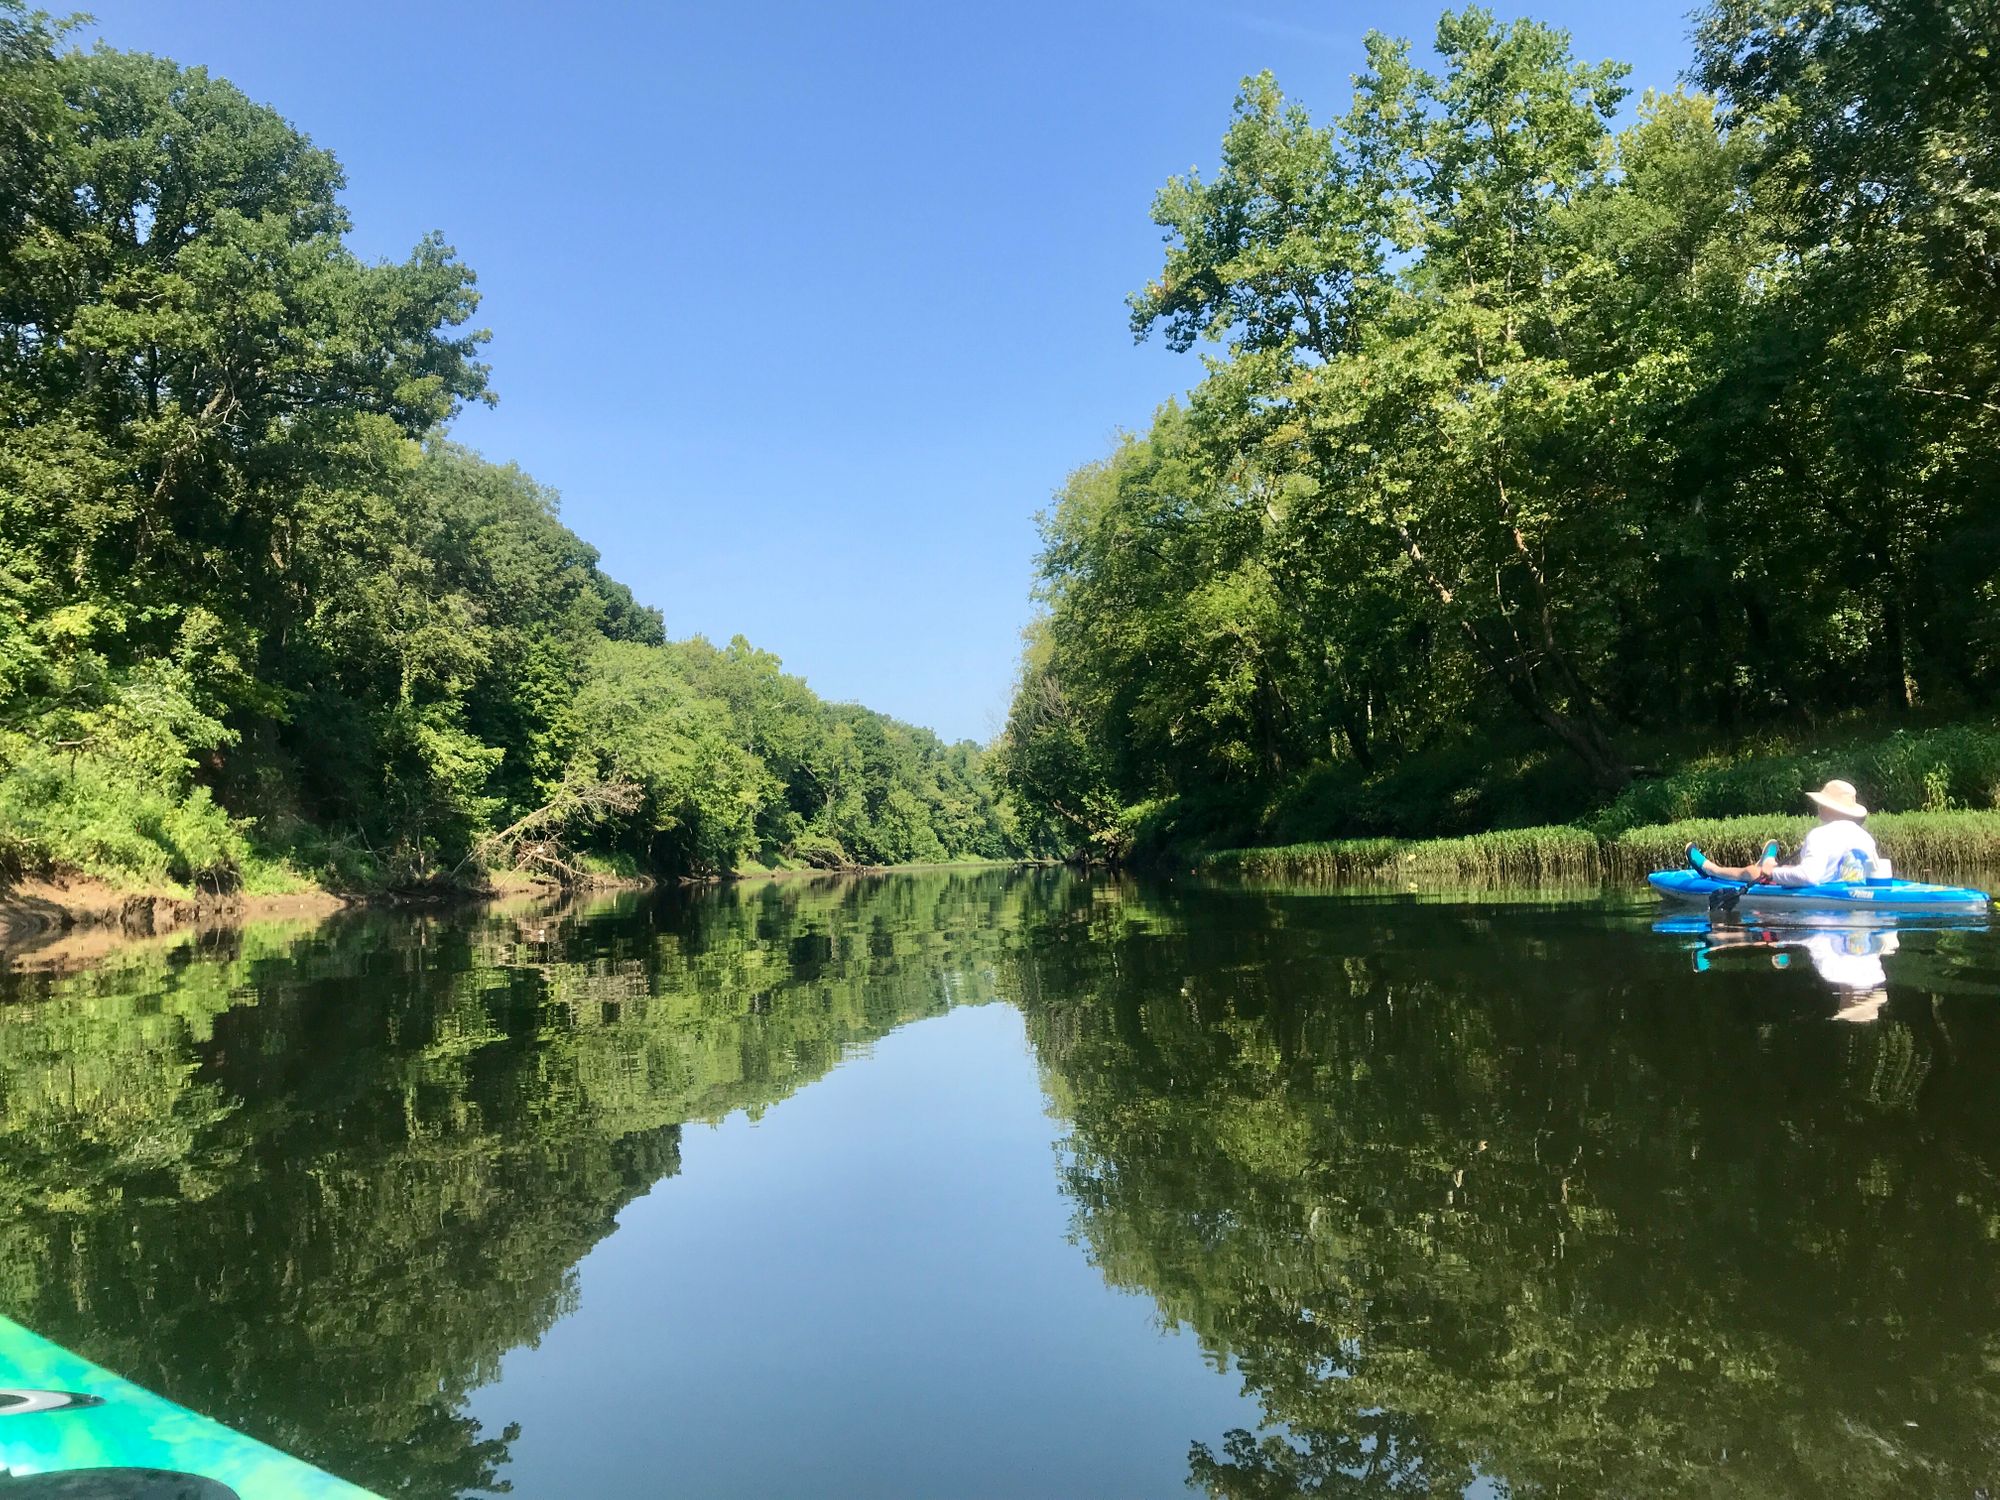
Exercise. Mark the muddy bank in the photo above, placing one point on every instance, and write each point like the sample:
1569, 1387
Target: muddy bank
74, 921
69, 922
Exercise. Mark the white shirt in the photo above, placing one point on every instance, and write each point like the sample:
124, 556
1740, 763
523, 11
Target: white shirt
1826, 847
1850, 960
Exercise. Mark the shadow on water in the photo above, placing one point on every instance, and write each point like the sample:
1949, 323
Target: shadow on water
1488, 1195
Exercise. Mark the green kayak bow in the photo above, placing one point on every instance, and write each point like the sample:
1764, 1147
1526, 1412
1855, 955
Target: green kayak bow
72, 1431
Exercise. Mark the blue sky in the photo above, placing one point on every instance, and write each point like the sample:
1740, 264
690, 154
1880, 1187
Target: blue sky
805, 309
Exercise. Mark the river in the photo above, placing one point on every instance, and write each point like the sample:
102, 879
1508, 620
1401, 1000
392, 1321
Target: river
1020, 1183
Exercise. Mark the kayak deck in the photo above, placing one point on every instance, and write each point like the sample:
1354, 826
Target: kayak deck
61, 1415
1854, 896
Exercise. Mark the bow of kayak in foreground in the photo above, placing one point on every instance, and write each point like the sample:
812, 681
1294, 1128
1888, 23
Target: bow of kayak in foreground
70, 1428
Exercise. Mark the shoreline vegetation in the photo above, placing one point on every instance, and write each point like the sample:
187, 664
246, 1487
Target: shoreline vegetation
1921, 845
1946, 782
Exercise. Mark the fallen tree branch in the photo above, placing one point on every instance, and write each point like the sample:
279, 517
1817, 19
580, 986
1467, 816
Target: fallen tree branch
534, 840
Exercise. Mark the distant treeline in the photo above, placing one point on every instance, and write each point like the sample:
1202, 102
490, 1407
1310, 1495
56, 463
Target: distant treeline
243, 576
1534, 454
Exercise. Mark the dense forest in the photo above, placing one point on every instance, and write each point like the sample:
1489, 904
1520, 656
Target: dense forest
260, 619
1549, 439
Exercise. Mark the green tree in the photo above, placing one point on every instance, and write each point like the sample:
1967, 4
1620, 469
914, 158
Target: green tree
1520, 436
248, 591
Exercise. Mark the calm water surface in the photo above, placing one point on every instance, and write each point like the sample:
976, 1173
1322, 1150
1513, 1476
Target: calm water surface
1022, 1184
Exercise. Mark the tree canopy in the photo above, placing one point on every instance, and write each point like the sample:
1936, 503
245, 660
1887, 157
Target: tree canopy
1530, 427
255, 605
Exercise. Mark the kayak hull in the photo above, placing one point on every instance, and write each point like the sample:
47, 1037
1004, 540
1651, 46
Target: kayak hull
1858, 898
69, 1427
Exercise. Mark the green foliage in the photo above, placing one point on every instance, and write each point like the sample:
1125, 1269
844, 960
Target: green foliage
1052, 761
1502, 780
638, 721
1957, 766
1526, 447
86, 813
242, 570
1920, 843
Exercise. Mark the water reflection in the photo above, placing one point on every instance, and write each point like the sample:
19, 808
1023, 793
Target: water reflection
1501, 1200
1849, 957
317, 1186
1489, 1196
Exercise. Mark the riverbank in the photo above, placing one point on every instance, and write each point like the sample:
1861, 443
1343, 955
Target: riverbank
87, 917
1921, 844
72, 920
32, 907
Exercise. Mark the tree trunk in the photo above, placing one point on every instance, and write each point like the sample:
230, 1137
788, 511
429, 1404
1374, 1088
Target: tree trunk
1903, 691
1580, 734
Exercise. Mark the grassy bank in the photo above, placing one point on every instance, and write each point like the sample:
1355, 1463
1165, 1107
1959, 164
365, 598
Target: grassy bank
1461, 790
1920, 843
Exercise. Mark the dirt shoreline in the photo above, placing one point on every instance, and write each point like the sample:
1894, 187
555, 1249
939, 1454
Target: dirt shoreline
69, 922
72, 921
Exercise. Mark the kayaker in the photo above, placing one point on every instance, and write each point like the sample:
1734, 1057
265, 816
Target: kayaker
1840, 849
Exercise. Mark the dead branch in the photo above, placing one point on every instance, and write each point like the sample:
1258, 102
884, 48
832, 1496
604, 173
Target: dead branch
534, 841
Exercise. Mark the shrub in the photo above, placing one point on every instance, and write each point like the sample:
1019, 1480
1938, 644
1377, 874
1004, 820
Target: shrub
819, 850
1225, 815
1936, 770
104, 818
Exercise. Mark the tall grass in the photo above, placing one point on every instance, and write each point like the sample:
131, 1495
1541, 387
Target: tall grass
1551, 853
1919, 843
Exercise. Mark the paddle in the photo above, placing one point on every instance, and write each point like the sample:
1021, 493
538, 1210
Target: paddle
1729, 900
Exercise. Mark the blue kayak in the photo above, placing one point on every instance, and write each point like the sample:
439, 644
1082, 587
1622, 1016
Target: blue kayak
1885, 897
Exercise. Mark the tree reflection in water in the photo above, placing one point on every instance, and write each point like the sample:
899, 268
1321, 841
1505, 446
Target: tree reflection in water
1461, 1192
317, 1186
1506, 1193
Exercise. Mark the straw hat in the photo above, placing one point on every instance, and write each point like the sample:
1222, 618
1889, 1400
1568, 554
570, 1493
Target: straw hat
1838, 796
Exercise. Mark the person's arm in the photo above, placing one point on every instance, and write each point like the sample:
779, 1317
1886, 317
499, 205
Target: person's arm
1748, 874
1815, 860
1792, 875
